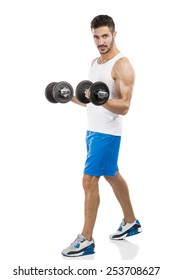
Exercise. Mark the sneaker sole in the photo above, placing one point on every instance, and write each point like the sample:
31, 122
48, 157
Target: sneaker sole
86, 251
127, 234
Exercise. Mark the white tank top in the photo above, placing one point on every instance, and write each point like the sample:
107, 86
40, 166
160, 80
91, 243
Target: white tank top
100, 119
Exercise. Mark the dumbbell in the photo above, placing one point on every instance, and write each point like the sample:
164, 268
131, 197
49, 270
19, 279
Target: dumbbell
61, 92
98, 92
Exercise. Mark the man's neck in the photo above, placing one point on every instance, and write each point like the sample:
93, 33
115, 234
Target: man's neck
107, 56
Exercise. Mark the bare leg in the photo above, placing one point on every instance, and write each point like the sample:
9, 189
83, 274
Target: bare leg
92, 201
121, 192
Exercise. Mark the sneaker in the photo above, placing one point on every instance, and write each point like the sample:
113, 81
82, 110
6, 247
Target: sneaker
126, 230
80, 247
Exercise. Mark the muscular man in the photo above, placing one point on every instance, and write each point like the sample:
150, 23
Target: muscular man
104, 135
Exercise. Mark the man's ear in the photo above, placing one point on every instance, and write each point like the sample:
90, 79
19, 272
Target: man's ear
114, 34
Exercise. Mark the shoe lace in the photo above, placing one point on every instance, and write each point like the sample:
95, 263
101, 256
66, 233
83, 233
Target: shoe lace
77, 240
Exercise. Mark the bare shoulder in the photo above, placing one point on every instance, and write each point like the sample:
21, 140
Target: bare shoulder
123, 70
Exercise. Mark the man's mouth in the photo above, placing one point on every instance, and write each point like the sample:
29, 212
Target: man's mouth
102, 47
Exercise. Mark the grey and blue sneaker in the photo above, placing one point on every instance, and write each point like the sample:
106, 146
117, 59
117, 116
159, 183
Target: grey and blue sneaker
126, 230
80, 247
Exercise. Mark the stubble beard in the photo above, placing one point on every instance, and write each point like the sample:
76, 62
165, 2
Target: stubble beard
108, 48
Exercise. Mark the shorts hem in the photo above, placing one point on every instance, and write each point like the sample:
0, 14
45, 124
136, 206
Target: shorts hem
99, 174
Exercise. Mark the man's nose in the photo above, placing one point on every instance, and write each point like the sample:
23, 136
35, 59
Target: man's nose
100, 41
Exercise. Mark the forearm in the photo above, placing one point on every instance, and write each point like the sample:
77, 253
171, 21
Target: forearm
76, 101
117, 106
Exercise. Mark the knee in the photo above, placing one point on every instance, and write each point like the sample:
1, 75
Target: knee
90, 183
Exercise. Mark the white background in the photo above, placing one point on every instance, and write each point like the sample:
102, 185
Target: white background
42, 149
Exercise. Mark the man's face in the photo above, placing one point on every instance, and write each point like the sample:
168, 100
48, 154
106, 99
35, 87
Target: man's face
103, 38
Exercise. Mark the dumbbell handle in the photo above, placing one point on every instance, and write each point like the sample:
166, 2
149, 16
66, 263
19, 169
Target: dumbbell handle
102, 94
65, 92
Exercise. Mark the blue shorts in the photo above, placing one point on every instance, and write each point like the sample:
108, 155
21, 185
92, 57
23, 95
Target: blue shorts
102, 154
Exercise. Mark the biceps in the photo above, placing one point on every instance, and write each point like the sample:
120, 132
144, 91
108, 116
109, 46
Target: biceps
124, 90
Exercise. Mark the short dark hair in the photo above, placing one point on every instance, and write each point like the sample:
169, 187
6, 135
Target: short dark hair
103, 20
